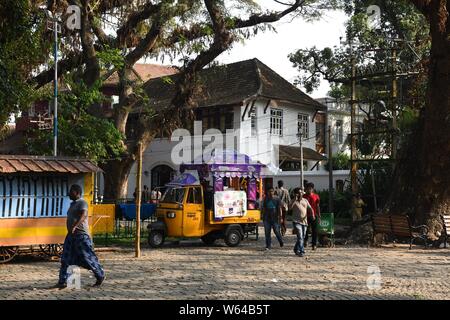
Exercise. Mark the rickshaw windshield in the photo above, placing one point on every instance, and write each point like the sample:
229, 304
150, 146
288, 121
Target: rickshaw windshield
174, 195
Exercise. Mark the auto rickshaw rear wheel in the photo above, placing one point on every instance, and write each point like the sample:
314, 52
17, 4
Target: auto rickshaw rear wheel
209, 239
233, 238
156, 238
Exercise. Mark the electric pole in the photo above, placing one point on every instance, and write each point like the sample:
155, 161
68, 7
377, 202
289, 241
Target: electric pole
330, 173
394, 103
138, 202
353, 104
53, 24
55, 120
300, 138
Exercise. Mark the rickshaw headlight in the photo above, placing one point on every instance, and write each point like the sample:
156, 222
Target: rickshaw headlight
171, 215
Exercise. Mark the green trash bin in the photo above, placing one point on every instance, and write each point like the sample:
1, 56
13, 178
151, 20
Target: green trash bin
326, 229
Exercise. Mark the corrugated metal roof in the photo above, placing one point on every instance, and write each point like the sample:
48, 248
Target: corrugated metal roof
13, 164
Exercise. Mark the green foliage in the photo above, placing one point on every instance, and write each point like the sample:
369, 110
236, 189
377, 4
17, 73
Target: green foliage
408, 119
382, 174
21, 50
110, 58
341, 161
338, 92
80, 133
87, 136
399, 19
342, 203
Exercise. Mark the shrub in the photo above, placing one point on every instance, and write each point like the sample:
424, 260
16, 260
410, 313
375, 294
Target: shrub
341, 161
342, 203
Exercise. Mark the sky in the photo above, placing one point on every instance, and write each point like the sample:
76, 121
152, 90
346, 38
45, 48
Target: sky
273, 48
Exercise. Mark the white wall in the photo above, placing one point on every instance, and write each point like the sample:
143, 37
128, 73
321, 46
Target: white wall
336, 146
259, 147
319, 178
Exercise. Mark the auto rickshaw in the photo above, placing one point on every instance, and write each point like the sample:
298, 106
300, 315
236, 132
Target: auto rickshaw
227, 210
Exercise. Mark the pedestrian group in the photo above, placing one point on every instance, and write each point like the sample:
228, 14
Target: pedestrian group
305, 208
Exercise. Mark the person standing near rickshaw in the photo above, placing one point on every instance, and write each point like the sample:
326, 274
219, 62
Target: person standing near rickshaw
145, 195
78, 249
271, 208
300, 208
314, 215
283, 195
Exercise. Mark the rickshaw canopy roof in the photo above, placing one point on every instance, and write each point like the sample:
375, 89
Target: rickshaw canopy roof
224, 163
40, 164
185, 179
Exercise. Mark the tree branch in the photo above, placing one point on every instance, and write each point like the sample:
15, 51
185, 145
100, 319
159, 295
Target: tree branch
266, 18
92, 72
102, 37
222, 41
134, 19
199, 30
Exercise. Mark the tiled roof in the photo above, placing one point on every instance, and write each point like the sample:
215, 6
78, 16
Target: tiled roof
232, 84
19, 163
143, 72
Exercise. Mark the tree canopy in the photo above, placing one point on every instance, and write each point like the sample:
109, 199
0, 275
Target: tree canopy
116, 34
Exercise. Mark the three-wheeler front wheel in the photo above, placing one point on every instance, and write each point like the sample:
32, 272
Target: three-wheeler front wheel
156, 238
209, 239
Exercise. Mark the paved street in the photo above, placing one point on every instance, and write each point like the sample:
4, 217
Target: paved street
193, 271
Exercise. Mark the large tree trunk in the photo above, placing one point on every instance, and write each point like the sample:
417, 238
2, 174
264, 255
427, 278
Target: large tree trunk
116, 175
422, 180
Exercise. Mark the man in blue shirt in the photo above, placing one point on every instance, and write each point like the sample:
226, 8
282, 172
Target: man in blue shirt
271, 209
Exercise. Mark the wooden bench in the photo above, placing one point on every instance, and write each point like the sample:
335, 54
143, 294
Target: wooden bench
446, 220
399, 226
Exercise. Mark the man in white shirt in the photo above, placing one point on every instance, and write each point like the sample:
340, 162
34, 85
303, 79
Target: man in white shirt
300, 207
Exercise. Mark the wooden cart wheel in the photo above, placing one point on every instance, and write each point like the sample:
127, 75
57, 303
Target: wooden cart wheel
8, 253
52, 250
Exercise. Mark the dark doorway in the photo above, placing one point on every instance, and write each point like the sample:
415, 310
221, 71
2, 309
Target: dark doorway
161, 175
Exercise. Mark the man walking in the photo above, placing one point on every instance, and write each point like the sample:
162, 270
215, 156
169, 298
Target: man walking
357, 208
271, 214
283, 195
300, 208
314, 216
78, 248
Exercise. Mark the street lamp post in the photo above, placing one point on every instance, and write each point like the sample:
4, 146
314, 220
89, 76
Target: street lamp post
54, 25
55, 85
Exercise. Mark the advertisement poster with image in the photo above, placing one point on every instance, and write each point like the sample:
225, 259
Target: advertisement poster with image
230, 204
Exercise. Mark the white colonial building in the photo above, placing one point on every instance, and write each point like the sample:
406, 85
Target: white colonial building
265, 114
339, 118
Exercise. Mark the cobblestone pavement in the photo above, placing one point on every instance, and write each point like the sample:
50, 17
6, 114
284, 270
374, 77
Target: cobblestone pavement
191, 270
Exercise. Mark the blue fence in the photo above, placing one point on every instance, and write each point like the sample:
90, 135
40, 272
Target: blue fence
128, 211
